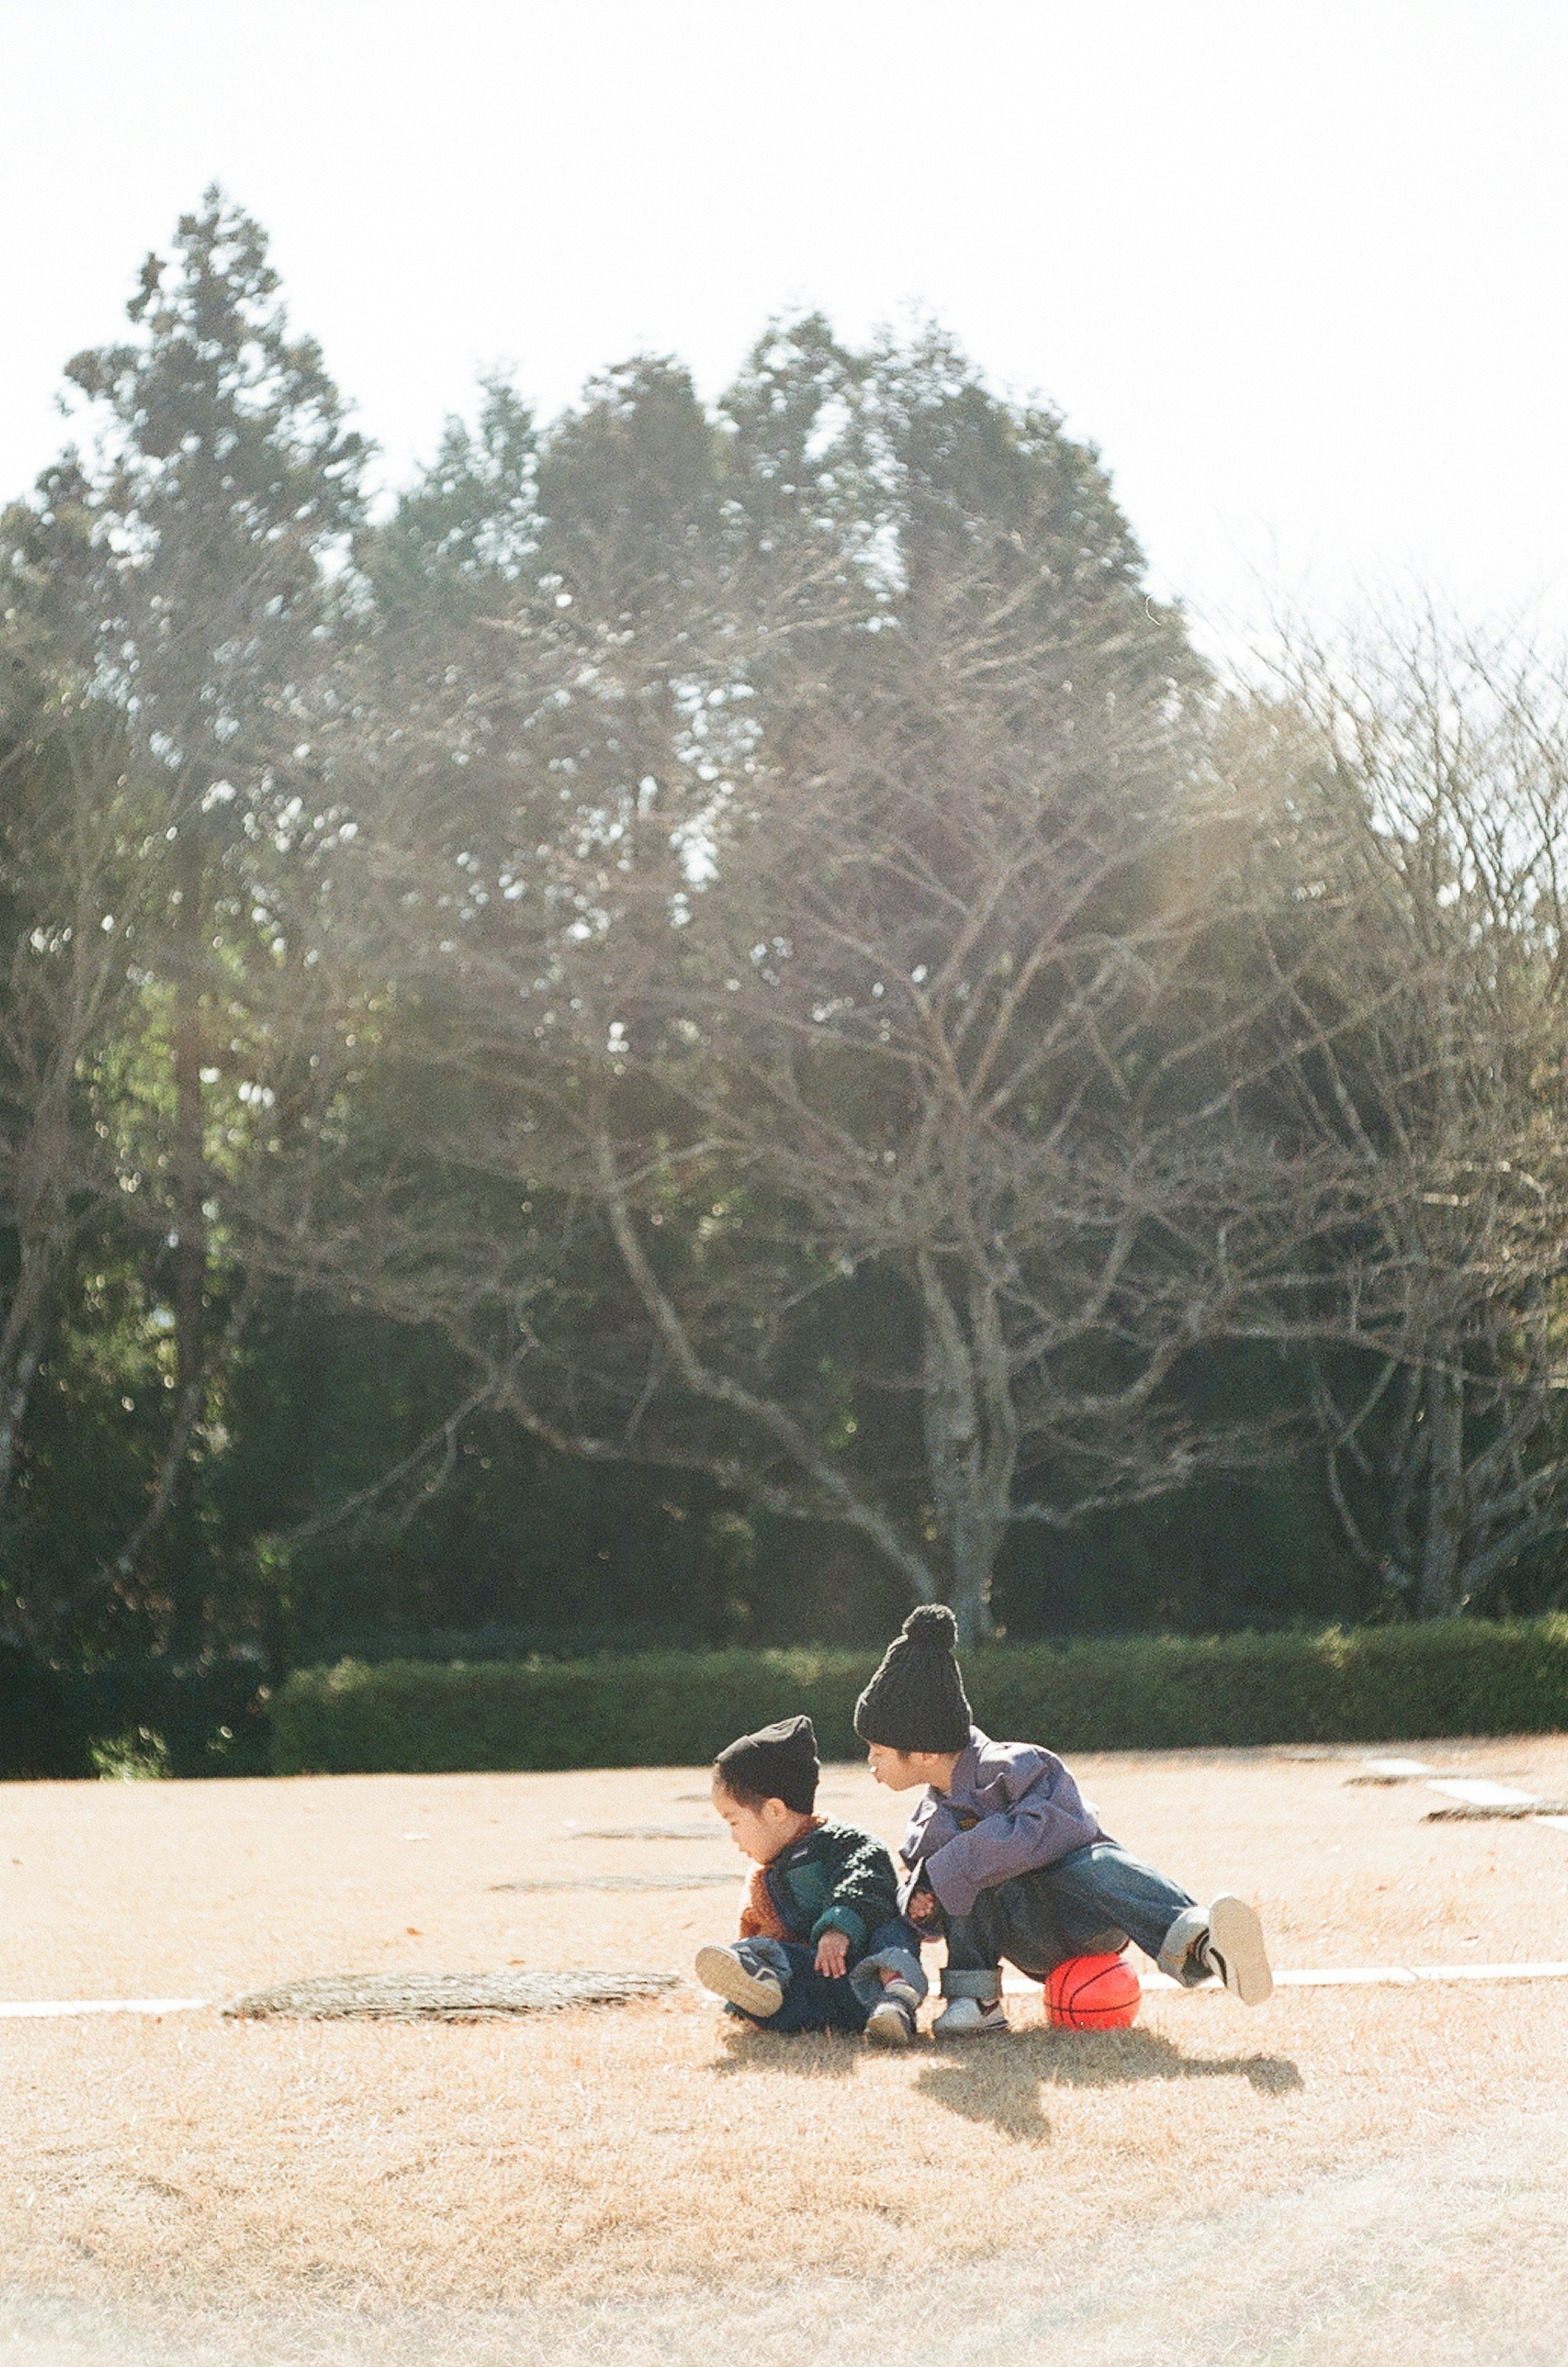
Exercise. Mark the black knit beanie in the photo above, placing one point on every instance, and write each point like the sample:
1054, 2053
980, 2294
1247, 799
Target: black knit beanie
777, 1762
916, 1701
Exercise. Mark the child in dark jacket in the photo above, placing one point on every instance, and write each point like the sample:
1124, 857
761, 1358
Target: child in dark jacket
1006, 1857
822, 1946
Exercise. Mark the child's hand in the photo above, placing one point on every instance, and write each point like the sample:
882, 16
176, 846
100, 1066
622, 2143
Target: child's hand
833, 1954
922, 1909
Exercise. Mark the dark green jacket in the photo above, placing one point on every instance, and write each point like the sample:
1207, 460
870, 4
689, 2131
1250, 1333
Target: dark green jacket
835, 1879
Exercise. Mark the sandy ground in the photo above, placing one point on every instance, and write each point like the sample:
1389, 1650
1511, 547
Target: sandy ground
1339, 2177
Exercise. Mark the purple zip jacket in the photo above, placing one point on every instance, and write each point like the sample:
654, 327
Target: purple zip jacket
1013, 1809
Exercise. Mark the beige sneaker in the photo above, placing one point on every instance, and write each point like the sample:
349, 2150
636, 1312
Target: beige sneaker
1235, 1950
721, 1970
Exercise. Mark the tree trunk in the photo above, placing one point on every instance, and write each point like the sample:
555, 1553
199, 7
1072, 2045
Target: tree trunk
971, 1440
43, 1230
976, 1540
189, 1405
1438, 1595
187, 1586
21, 1349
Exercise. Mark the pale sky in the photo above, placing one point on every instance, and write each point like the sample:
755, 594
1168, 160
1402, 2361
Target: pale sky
1298, 270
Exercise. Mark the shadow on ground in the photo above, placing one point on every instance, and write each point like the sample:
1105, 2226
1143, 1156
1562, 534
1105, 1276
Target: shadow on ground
836, 2056
1104, 2058
997, 2081
1005, 2098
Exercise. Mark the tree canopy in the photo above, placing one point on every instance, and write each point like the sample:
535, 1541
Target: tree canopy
711, 1022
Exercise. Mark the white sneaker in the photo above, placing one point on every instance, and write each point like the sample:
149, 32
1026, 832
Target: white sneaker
892, 2019
967, 2018
1234, 1949
721, 1970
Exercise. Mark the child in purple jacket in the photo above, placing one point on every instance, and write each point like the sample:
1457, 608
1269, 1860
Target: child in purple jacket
1007, 1857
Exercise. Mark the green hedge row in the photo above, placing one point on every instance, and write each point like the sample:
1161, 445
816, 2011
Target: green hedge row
1373, 1684
202, 1717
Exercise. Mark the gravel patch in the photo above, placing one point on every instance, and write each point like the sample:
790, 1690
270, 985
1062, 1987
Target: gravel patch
441, 1997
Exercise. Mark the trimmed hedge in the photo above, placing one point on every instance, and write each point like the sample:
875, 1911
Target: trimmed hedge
207, 1717
1374, 1685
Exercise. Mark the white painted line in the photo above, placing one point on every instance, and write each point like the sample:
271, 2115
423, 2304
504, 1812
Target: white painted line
1338, 1977
1347, 1977
1480, 1792
1398, 1769
1014, 1984
1492, 1971
49, 2009
1558, 1824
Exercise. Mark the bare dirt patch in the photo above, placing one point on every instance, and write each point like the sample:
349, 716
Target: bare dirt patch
624, 2183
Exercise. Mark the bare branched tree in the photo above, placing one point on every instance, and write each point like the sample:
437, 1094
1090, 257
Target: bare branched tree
1431, 767
825, 993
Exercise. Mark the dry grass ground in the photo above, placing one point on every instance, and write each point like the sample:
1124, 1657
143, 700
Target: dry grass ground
1340, 2177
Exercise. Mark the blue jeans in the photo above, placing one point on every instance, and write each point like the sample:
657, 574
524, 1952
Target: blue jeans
814, 2001
1091, 1903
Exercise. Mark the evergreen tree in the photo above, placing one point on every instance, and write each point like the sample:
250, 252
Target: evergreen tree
196, 592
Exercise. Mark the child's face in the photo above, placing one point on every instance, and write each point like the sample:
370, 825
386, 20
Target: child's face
759, 1829
900, 1770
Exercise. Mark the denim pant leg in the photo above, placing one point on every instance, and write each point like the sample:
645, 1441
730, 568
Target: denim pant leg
811, 1999
1022, 1921
1089, 1903
1103, 1886
893, 1947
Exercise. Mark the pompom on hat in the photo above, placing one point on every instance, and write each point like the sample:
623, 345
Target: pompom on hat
916, 1701
777, 1762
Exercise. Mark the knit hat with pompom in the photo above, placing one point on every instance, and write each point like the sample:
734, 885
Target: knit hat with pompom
916, 1701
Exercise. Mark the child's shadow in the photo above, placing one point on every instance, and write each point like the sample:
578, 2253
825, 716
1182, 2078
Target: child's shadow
998, 2080
810, 2055
1107, 2058
994, 2087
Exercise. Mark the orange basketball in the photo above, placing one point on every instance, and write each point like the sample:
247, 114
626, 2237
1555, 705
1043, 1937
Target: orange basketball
1093, 1993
